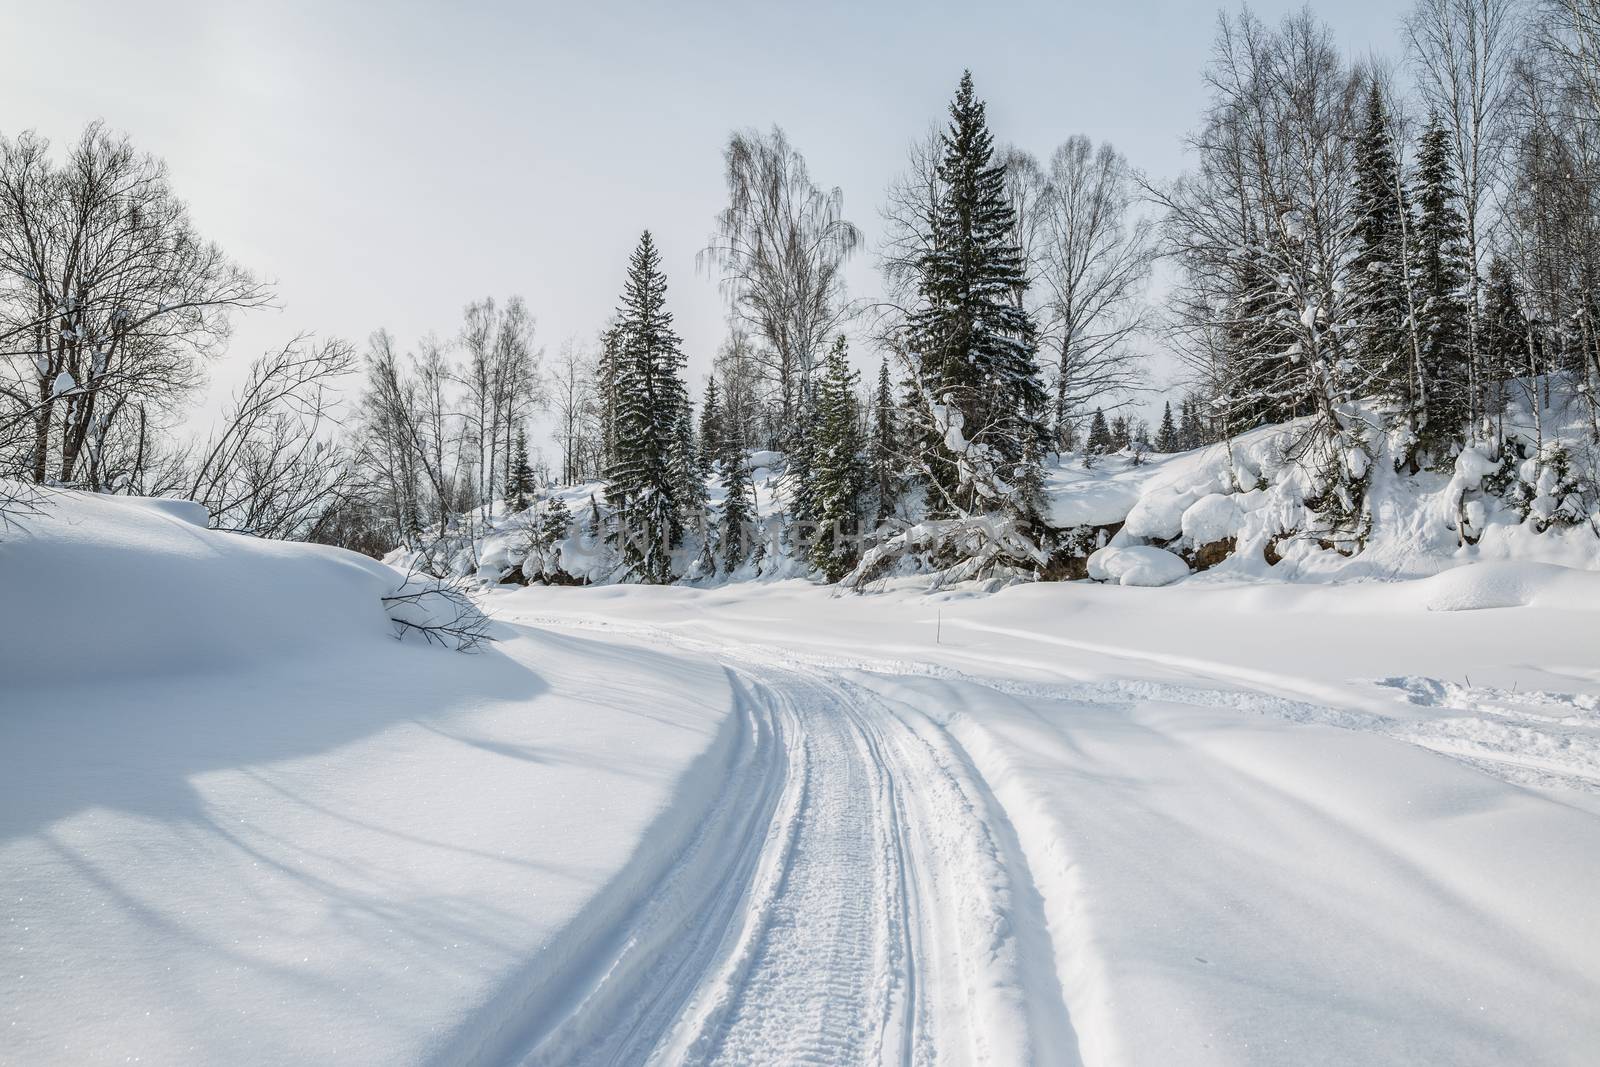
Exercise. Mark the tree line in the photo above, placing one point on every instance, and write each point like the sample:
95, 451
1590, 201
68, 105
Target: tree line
1415, 239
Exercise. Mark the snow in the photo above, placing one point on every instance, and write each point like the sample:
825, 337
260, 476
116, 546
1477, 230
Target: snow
1214, 517
1136, 565
241, 823
1217, 822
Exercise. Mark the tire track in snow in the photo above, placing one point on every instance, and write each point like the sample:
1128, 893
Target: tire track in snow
888, 916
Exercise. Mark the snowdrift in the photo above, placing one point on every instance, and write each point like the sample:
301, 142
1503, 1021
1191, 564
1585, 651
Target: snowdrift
241, 823
111, 586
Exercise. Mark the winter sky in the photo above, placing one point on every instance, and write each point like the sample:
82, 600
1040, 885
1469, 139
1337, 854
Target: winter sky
386, 163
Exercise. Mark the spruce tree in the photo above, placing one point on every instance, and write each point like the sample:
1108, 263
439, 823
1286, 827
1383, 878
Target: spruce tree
1099, 442
1378, 267
1191, 431
838, 474
885, 472
1167, 435
644, 482
519, 480
974, 339
1505, 340
710, 427
1121, 433
738, 503
1442, 406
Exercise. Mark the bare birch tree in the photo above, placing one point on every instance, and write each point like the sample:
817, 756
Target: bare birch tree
780, 246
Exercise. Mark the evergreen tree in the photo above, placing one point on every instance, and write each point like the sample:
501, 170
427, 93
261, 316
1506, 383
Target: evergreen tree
1121, 435
1506, 337
556, 521
710, 427
1099, 442
1441, 408
1191, 431
519, 480
1378, 267
800, 468
838, 475
644, 481
1167, 436
885, 472
738, 504
687, 472
974, 339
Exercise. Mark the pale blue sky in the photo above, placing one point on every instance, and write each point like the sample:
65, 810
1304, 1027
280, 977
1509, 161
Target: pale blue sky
386, 163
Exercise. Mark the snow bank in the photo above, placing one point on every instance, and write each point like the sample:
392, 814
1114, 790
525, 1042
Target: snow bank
240, 823
109, 586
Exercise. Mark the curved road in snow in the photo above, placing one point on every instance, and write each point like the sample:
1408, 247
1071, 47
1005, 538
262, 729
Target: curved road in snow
856, 896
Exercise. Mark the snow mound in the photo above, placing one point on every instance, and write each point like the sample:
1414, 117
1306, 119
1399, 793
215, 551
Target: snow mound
1509, 585
1137, 565
103, 585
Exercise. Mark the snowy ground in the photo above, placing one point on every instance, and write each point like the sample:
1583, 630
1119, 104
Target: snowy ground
1210, 823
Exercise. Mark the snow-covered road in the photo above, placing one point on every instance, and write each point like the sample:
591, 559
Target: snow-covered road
979, 856
856, 896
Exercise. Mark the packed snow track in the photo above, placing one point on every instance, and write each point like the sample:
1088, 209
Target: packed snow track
825, 912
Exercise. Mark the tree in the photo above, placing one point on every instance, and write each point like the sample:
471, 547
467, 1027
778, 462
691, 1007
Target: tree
1463, 50
1121, 433
1167, 436
272, 468
1094, 261
781, 245
974, 341
1100, 442
519, 481
738, 505
110, 302
501, 381
710, 446
1191, 431
885, 473
1443, 405
649, 404
838, 473
577, 414
1380, 278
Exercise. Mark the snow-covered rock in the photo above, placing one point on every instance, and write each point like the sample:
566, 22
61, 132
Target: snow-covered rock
1159, 515
1140, 565
1214, 517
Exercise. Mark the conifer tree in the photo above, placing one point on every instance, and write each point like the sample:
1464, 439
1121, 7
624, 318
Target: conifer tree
687, 472
800, 468
644, 481
1442, 406
1378, 269
1099, 442
1167, 435
710, 427
556, 521
738, 503
519, 481
1121, 433
1191, 431
838, 475
885, 472
974, 339
1508, 345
